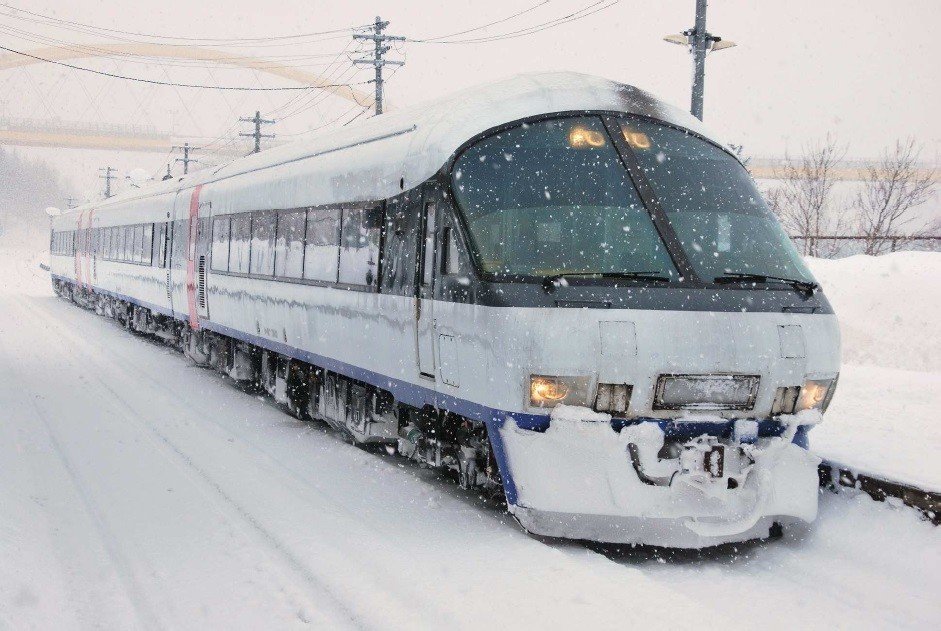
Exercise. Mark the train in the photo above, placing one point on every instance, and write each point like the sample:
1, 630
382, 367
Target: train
554, 286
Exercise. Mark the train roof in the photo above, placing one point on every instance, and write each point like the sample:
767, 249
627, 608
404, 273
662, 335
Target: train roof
383, 155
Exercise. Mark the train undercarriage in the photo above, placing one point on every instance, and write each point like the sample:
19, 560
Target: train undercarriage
363, 414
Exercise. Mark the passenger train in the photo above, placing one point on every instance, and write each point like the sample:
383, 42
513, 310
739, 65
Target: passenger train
557, 286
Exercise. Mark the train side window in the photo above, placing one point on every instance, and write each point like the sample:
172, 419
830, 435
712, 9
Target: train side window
117, 243
450, 252
321, 255
352, 241
148, 249
181, 233
428, 257
289, 245
263, 233
159, 236
161, 244
220, 243
138, 244
240, 247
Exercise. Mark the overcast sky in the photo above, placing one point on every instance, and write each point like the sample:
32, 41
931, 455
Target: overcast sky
862, 70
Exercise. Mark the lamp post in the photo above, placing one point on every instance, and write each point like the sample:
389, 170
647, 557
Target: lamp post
699, 41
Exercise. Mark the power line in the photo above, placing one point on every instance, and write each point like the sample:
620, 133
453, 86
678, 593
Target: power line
376, 60
72, 25
429, 40
584, 12
270, 61
179, 85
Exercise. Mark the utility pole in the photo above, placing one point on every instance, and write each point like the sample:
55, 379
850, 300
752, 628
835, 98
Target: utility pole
376, 59
186, 159
699, 42
258, 121
168, 176
107, 177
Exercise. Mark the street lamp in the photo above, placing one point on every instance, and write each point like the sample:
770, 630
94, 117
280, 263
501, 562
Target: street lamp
699, 42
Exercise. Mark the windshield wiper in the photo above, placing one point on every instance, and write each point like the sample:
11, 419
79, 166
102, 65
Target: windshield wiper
805, 286
654, 276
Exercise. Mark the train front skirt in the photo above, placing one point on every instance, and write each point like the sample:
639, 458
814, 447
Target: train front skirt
581, 479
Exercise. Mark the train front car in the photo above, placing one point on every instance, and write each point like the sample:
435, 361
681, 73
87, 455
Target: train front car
656, 349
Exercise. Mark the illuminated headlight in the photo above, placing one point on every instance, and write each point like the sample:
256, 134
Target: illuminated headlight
816, 394
547, 392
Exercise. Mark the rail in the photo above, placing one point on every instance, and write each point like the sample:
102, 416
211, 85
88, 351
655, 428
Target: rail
834, 475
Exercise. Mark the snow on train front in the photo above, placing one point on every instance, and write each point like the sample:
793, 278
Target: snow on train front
665, 375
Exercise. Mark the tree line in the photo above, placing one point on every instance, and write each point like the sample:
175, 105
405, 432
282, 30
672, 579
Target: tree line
880, 212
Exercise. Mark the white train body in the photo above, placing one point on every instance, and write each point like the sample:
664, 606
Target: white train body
424, 330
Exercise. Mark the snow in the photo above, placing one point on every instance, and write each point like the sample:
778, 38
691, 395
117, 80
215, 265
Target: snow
884, 416
138, 491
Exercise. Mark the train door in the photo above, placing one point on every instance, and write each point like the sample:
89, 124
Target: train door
200, 242
95, 245
195, 283
178, 237
164, 239
424, 305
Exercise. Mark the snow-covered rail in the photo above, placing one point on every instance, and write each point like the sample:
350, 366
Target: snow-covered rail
834, 476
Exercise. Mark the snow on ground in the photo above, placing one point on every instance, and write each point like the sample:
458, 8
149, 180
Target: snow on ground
884, 417
138, 491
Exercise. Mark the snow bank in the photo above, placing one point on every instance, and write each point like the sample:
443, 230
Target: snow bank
887, 306
883, 419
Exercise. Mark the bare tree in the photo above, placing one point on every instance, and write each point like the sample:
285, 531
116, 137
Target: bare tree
803, 201
894, 187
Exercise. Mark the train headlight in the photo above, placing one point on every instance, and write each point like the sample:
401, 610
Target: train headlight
816, 394
547, 392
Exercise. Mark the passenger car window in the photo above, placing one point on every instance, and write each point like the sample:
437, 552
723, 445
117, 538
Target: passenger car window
359, 254
323, 244
148, 244
220, 244
240, 247
263, 233
138, 244
398, 256
289, 245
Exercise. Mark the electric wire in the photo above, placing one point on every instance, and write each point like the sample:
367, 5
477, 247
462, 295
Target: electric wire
90, 28
590, 9
428, 40
179, 85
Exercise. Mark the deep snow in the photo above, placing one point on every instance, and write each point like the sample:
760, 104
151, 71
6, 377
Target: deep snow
138, 491
884, 416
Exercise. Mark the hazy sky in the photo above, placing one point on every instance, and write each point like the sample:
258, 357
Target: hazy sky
861, 70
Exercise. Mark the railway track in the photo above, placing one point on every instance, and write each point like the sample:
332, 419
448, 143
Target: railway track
835, 476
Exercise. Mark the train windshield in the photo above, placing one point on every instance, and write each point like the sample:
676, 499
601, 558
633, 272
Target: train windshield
713, 205
553, 197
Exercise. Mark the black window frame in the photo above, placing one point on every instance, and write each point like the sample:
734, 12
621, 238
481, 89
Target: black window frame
364, 207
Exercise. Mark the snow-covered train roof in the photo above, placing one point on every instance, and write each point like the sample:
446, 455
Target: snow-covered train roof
376, 159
